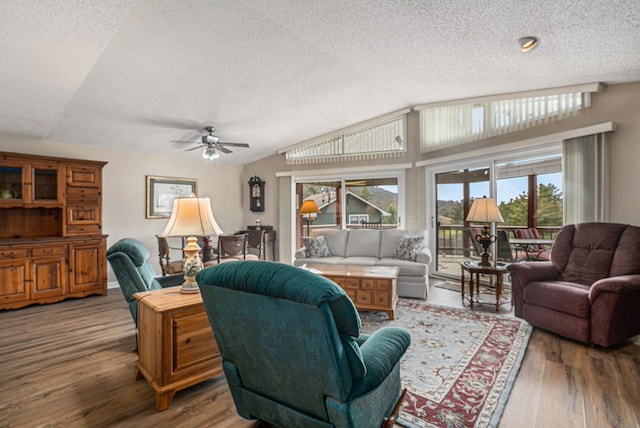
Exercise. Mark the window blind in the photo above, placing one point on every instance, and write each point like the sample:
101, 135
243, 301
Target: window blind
378, 140
451, 125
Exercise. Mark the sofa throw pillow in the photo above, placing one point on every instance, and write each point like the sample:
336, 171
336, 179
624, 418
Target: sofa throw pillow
316, 247
408, 248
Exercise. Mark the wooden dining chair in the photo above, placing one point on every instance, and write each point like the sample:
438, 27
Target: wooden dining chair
255, 244
164, 254
232, 247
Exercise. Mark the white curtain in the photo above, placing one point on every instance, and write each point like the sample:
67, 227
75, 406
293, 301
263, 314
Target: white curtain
586, 179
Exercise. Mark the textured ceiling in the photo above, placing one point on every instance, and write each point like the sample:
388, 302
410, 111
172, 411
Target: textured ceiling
135, 75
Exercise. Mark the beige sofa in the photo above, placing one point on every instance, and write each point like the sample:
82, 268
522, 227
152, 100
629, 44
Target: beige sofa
368, 247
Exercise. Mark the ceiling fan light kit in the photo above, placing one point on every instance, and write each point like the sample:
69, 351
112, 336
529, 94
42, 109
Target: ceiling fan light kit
210, 153
212, 145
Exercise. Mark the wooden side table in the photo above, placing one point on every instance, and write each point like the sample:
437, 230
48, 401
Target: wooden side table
475, 270
176, 347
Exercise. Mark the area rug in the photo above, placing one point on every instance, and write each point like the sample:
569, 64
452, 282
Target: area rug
460, 367
455, 286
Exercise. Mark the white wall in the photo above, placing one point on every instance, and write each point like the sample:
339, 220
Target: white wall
124, 183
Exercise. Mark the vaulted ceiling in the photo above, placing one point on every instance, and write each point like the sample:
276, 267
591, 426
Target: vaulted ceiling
135, 75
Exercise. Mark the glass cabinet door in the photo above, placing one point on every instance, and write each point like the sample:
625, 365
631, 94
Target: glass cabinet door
10, 182
46, 184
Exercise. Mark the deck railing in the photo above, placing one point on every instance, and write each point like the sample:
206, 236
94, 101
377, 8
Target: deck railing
452, 241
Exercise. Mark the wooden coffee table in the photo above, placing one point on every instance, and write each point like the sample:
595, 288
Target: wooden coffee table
371, 288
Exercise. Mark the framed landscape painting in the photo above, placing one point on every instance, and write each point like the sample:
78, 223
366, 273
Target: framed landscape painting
161, 191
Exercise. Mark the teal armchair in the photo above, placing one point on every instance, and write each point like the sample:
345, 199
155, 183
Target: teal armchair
292, 351
129, 260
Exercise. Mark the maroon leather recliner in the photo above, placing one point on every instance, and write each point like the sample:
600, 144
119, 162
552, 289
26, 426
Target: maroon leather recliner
589, 290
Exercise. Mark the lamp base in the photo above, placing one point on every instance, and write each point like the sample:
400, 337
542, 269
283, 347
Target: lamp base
192, 265
484, 260
189, 288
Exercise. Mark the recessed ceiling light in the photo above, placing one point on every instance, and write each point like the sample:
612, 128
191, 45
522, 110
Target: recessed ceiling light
527, 43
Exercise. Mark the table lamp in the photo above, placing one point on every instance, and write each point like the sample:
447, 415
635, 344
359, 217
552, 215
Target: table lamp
191, 217
485, 211
309, 210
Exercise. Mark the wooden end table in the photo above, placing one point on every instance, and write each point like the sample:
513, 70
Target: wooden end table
371, 288
475, 270
176, 347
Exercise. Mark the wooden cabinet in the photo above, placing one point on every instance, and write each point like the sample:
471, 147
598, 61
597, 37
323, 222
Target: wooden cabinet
83, 200
51, 245
14, 273
87, 272
49, 271
176, 346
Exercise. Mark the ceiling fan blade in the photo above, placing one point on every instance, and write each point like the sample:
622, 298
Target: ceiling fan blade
193, 148
245, 145
223, 149
181, 141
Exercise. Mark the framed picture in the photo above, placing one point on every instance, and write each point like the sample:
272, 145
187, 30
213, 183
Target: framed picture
161, 191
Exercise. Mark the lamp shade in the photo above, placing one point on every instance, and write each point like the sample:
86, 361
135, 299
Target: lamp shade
485, 210
191, 217
308, 207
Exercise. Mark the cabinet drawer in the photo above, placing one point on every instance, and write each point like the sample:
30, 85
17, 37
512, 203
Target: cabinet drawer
382, 285
352, 283
86, 229
380, 298
193, 341
48, 251
13, 253
364, 297
83, 176
83, 196
367, 284
83, 215
339, 281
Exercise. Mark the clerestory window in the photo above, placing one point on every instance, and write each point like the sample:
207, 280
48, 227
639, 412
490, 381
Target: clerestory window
443, 126
380, 138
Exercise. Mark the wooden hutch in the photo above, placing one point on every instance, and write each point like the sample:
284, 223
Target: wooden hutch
51, 242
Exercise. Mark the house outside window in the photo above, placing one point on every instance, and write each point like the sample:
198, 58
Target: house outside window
358, 218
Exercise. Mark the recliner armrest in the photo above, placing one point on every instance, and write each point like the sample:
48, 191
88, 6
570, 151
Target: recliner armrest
615, 284
170, 280
524, 273
380, 352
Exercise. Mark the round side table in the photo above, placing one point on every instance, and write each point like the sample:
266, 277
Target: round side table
474, 269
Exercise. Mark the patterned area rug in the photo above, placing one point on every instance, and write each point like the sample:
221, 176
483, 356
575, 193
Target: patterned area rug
460, 366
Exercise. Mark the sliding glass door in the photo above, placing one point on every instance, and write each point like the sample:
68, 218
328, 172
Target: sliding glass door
528, 191
455, 189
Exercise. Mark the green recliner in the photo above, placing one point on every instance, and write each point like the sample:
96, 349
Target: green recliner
292, 351
128, 258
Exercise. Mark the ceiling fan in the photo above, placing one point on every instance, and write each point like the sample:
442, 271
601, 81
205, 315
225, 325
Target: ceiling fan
211, 144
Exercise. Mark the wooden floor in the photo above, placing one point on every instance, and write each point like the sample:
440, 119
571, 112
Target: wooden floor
70, 364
